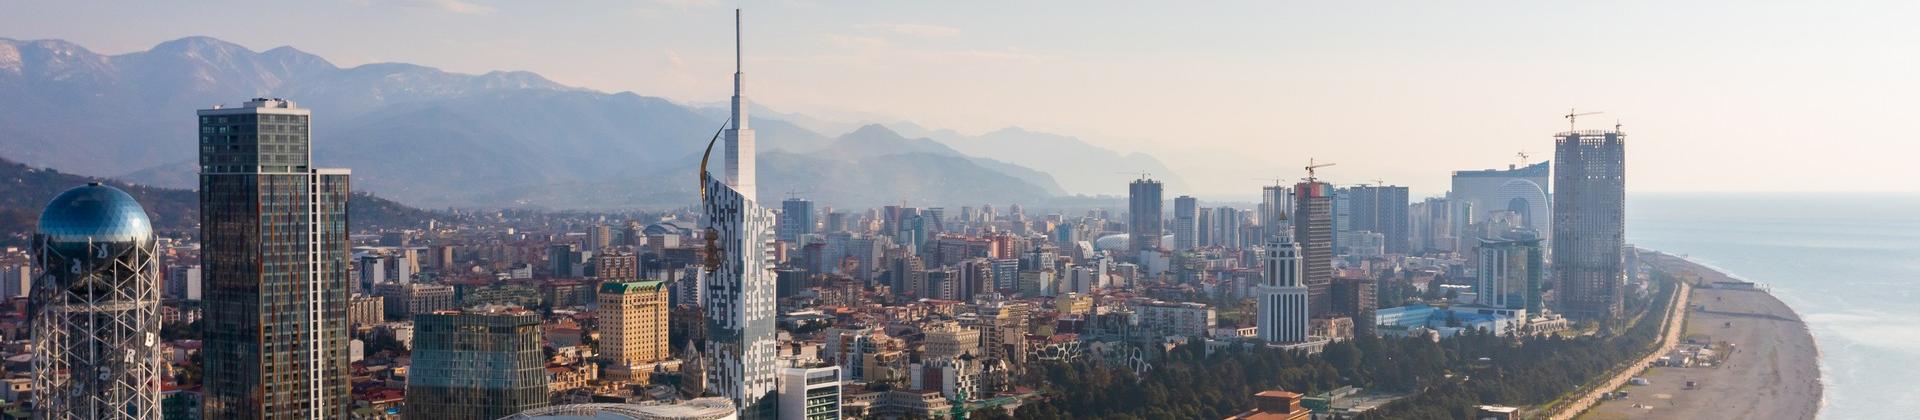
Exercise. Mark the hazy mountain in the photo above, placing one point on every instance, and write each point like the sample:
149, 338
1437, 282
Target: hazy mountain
425, 136
25, 191
1079, 167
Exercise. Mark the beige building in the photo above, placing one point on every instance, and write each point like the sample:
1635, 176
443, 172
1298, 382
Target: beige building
947, 339
633, 328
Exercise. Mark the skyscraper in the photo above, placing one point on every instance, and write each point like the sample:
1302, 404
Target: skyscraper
1383, 210
1186, 229
1224, 227
796, 218
1589, 222
96, 308
1283, 300
1143, 215
1511, 271
274, 250
476, 364
1313, 233
740, 293
1275, 202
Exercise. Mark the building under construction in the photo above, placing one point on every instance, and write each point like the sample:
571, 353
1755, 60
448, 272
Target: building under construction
1589, 222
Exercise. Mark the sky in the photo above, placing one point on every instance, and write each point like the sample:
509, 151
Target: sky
1714, 96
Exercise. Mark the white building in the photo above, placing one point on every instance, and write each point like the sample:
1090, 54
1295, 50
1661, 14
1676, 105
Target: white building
1282, 299
810, 393
739, 299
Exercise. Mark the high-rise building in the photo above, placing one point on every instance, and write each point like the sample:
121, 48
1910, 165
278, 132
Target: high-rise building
1519, 189
274, 244
476, 364
796, 218
1186, 229
1342, 219
1275, 202
616, 266
96, 318
1283, 299
561, 259
633, 328
1143, 215
810, 393
1381, 209
1224, 227
1589, 222
739, 300
1511, 270
1313, 233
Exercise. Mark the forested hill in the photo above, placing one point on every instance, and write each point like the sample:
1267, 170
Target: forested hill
25, 190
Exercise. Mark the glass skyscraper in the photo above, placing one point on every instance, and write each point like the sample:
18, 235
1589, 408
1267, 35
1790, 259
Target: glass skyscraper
274, 251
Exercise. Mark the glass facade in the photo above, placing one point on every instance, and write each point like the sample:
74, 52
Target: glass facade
274, 251
476, 365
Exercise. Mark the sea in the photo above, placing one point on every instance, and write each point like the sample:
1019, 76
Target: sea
1848, 263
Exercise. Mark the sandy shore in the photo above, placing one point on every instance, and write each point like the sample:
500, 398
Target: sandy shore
1773, 373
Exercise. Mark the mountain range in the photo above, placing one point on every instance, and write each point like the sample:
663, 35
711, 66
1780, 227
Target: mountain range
431, 138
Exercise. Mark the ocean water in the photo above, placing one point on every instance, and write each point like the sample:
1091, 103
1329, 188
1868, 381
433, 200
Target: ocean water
1849, 264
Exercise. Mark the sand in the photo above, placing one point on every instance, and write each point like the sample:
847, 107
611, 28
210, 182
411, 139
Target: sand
1773, 373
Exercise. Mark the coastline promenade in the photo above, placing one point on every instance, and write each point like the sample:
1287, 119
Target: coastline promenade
1771, 368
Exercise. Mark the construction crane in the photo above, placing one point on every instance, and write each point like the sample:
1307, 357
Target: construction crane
1573, 115
1312, 166
1142, 174
1377, 183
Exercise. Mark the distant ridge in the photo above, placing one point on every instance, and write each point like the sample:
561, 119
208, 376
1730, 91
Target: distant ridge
432, 138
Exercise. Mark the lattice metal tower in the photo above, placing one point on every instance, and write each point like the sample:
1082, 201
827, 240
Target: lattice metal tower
95, 308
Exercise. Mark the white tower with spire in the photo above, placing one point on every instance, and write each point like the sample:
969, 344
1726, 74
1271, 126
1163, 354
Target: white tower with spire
738, 299
1282, 299
740, 147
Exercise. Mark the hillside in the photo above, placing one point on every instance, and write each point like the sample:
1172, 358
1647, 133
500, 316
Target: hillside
25, 190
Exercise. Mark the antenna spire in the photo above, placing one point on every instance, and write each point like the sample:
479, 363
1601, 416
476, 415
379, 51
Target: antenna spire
736, 41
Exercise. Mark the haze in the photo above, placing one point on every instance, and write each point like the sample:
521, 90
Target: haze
1753, 96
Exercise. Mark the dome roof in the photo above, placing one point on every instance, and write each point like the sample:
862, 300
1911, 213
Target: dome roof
93, 213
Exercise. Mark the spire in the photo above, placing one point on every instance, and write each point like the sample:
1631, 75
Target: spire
740, 143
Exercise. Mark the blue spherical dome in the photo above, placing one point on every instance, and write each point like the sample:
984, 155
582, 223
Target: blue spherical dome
93, 214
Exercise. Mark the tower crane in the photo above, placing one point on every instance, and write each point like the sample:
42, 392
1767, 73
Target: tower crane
1312, 166
1573, 115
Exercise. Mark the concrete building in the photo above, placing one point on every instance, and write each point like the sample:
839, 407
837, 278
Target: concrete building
1177, 319
1143, 215
616, 266
796, 218
273, 237
1520, 189
1186, 219
477, 364
1313, 233
1589, 223
1381, 209
1276, 202
404, 300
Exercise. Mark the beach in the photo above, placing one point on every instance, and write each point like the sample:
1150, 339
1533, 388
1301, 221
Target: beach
1765, 363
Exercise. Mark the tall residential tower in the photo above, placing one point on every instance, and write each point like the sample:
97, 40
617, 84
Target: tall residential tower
1589, 222
273, 233
1143, 215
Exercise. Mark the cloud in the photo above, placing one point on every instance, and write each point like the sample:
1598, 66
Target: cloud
909, 29
454, 6
674, 61
856, 41
683, 4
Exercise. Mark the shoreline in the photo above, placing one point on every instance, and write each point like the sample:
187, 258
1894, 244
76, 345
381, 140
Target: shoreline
1769, 349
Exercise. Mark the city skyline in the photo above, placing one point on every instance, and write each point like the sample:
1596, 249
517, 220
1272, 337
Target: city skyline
1337, 65
1515, 294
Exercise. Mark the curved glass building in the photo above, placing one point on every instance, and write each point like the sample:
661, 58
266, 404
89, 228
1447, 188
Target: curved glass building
95, 308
